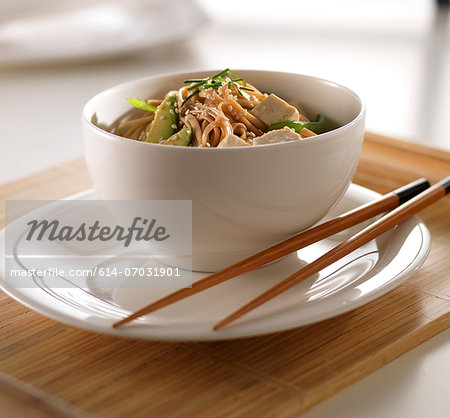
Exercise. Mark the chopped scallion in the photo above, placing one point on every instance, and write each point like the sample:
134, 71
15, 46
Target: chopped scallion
141, 104
318, 126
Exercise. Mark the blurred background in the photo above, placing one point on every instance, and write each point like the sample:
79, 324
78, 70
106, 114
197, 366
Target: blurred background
54, 56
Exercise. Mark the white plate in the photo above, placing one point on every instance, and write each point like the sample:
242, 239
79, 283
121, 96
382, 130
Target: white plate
358, 278
97, 29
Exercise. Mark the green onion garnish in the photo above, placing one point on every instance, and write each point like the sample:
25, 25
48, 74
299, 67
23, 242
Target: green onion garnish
190, 96
318, 126
192, 81
215, 82
141, 104
222, 73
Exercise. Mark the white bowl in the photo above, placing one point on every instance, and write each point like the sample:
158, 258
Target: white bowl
243, 199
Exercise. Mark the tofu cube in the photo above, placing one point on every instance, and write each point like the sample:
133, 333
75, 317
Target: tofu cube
279, 135
273, 109
232, 141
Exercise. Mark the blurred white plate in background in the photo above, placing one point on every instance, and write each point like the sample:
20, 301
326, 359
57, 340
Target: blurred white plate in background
84, 31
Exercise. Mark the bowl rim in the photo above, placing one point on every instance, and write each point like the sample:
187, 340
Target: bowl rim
312, 140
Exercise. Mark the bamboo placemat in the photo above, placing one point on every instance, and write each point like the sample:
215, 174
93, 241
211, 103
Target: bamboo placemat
280, 374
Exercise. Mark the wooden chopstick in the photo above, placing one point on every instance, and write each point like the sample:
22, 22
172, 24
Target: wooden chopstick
326, 229
380, 226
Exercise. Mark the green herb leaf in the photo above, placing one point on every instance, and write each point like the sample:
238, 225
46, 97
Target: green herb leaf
195, 86
318, 126
216, 82
193, 81
141, 104
190, 96
224, 72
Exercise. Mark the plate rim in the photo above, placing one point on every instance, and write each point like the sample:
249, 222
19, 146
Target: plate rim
141, 330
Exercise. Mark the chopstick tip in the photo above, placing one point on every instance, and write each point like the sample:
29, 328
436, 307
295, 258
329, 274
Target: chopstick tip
118, 324
221, 324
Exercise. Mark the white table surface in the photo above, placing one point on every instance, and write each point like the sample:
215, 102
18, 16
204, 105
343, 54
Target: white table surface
384, 56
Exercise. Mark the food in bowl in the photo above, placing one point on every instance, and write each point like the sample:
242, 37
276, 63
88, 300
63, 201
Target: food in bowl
221, 110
